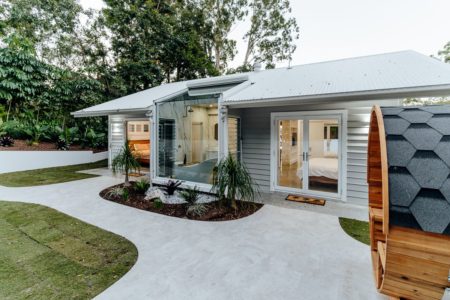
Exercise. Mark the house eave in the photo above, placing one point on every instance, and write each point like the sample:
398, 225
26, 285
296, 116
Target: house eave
422, 91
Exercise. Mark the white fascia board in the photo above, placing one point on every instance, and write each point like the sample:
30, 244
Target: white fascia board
226, 80
423, 91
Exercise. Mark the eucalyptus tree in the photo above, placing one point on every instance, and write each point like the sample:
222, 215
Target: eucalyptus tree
272, 33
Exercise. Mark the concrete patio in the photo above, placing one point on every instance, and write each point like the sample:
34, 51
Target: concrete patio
277, 253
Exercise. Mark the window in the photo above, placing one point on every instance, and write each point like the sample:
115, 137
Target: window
187, 138
131, 128
138, 128
145, 127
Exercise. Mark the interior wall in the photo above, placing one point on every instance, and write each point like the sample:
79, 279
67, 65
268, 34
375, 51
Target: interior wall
134, 136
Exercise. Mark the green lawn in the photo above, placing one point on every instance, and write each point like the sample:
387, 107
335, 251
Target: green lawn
359, 230
49, 175
45, 254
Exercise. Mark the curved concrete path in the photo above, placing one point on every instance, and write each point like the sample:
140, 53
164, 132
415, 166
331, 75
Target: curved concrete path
277, 253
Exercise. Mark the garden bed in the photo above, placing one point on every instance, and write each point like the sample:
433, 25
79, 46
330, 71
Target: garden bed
214, 211
23, 145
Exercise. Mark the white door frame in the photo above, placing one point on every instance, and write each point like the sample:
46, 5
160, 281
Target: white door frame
341, 115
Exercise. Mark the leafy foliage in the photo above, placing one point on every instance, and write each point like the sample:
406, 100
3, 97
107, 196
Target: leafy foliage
6, 141
197, 209
190, 195
232, 181
171, 186
126, 162
142, 186
61, 144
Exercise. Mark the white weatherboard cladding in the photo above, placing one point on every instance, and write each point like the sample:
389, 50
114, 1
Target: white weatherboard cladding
117, 135
256, 142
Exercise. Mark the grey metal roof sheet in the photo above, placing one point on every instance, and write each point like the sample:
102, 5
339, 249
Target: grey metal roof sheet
376, 76
419, 166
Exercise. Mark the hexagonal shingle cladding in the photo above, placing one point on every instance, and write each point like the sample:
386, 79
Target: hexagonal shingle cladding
441, 123
415, 115
395, 125
391, 111
428, 169
399, 150
422, 136
402, 187
431, 211
437, 109
443, 149
445, 189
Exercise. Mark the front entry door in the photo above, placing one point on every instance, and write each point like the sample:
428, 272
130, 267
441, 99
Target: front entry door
307, 148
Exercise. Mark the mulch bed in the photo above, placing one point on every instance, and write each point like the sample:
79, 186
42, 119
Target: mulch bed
22, 145
215, 211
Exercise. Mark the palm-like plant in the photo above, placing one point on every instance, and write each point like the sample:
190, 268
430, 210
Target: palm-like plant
232, 180
126, 162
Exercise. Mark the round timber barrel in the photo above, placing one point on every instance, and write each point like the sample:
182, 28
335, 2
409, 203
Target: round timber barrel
408, 174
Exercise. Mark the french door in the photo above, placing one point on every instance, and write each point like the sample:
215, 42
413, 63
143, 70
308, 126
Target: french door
306, 153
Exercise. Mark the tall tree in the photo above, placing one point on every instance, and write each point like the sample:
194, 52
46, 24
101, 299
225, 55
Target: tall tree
445, 53
272, 32
223, 14
45, 23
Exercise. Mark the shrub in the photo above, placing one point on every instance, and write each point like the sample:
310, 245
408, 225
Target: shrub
197, 209
61, 144
158, 203
142, 186
115, 192
231, 180
6, 141
36, 132
190, 195
171, 186
125, 194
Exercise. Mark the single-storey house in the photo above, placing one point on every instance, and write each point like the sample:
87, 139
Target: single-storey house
301, 129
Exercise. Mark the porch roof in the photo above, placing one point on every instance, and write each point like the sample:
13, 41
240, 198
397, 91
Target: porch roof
390, 75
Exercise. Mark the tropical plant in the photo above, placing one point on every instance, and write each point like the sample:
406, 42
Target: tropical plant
125, 194
126, 162
6, 141
198, 209
158, 203
232, 181
142, 186
61, 144
93, 139
36, 132
171, 186
115, 192
190, 195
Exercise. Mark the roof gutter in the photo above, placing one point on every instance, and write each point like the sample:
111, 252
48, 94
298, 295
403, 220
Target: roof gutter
423, 91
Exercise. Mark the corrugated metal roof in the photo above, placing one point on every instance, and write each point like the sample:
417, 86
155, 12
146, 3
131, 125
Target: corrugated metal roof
382, 74
390, 71
137, 101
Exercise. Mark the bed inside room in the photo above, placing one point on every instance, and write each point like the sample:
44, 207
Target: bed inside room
321, 156
138, 136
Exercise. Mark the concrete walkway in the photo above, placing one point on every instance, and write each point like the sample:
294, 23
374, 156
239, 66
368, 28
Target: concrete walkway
277, 253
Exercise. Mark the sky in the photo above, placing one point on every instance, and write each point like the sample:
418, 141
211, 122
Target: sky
334, 29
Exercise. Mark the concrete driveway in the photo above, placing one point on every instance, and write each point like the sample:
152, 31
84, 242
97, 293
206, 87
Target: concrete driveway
277, 253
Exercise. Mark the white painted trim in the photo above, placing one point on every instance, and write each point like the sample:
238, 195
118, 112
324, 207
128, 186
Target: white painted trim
341, 115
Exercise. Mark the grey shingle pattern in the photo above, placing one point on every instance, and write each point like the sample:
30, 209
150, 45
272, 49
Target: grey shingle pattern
418, 150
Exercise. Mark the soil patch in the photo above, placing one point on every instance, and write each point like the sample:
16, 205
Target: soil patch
215, 211
22, 145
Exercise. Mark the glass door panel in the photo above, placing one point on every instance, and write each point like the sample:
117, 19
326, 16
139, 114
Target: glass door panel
323, 155
290, 154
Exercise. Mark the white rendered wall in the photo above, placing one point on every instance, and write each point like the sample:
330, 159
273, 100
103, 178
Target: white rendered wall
12, 161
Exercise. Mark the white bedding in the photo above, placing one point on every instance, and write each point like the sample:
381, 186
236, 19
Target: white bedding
322, 167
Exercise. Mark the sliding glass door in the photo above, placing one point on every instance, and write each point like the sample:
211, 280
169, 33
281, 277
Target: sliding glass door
307, 153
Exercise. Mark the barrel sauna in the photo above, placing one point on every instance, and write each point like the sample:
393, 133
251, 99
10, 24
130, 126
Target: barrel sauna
408, 170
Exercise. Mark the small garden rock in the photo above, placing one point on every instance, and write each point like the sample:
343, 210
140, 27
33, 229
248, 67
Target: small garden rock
154, 193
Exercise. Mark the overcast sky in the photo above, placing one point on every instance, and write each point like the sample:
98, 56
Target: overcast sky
333, 29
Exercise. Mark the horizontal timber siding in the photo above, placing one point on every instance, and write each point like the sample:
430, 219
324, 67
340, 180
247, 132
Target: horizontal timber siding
256, 142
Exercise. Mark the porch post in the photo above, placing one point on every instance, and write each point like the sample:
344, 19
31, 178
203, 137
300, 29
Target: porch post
153, 136
223, 130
